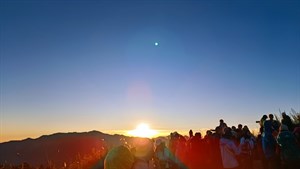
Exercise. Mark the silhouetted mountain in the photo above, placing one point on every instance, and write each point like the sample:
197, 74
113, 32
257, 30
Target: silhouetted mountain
58, 148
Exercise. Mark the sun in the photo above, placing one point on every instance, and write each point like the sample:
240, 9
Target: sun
143, 130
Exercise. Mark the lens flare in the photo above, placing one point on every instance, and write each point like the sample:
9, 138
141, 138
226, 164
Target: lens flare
143, 130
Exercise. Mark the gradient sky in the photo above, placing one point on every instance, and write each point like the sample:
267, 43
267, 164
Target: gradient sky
92, 65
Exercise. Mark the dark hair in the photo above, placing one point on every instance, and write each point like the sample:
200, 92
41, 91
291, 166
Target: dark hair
283, 114
198, 134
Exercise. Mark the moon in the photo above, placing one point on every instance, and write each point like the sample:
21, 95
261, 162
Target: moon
156, 43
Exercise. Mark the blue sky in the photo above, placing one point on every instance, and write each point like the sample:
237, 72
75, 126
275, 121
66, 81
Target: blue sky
85, 65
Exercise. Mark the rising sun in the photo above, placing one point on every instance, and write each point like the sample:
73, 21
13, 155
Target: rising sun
143, 130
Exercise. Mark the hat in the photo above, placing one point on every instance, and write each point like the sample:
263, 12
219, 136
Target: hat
158, 142
119, 158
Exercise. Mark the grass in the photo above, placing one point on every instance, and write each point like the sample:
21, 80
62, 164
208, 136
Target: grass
93, 160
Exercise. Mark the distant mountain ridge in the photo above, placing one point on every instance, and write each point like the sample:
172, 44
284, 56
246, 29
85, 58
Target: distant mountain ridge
58, 148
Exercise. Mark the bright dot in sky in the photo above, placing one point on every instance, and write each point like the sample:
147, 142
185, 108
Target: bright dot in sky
156, 43
142, 130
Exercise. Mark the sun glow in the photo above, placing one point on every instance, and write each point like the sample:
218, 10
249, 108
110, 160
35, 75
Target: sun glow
142, 130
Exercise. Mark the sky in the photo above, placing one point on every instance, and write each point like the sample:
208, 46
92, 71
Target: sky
94, 65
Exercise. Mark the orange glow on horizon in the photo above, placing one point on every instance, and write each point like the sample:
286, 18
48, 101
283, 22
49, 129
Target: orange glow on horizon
143, 130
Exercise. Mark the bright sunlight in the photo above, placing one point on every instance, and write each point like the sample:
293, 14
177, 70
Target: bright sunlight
143, 130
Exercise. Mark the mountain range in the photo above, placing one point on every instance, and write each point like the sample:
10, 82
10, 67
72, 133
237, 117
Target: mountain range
59, 148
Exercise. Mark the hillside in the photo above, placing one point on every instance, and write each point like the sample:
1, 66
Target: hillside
58, 148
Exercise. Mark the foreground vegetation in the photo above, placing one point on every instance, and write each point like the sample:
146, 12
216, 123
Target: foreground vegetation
93, 160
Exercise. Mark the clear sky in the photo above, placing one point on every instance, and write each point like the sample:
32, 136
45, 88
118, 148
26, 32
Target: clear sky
93, 65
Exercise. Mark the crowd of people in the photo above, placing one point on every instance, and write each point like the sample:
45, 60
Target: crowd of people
280, 142
277, 146
218, 149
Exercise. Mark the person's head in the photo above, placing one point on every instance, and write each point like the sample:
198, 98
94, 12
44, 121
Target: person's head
246, 133
208, 133
283, 114
264, 117
191, 133
198, 135
271, 116
245, 128
233, 128
176, 135
221, 121
171, 135
240, 126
